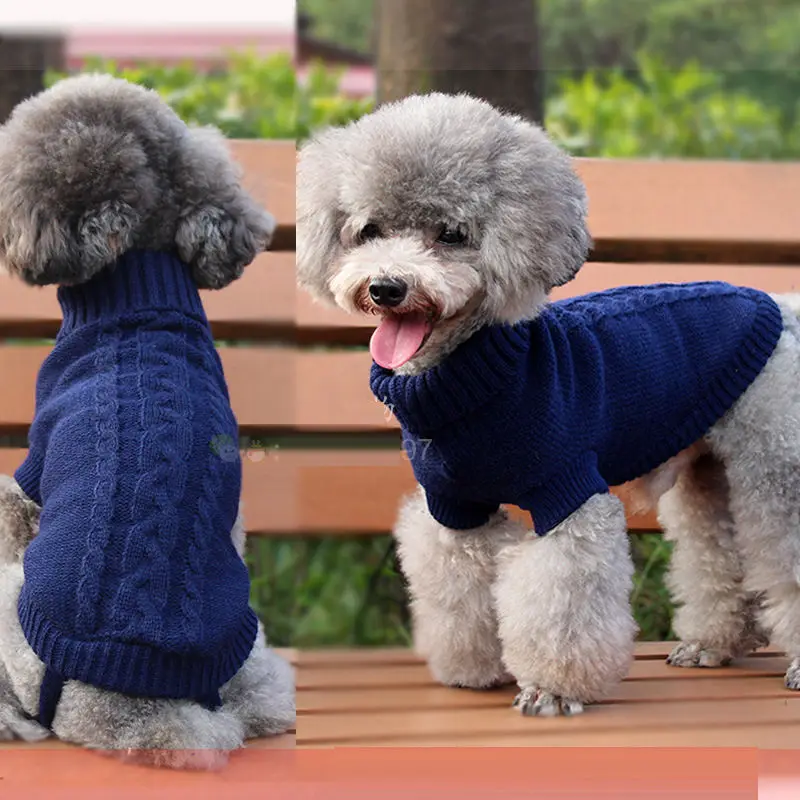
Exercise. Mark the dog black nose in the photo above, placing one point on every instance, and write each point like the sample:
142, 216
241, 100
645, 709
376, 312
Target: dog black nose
388, 291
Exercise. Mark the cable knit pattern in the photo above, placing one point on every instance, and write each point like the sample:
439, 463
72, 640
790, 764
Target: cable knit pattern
133, 583
164, 451
597, 391
106, 444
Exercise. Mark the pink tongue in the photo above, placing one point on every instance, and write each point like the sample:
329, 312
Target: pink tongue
397, 339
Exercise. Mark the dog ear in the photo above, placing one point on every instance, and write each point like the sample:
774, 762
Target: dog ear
221, 228
319, 217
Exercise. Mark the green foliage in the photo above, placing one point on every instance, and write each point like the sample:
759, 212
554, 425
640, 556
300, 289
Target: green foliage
666, 113
334, 591
252, 98
346, 22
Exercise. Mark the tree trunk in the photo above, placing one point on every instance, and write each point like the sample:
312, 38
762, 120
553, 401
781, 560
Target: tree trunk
487, 48
24, 59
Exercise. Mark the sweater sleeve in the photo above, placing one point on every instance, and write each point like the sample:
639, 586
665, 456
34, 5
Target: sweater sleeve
459, 514
562, 495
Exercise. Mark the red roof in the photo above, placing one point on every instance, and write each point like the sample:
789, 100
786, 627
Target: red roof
203, 48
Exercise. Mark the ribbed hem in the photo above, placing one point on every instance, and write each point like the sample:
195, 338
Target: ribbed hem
478, 369
563, 494
720, 394
138, 281
29, 474
135, 669
459, 514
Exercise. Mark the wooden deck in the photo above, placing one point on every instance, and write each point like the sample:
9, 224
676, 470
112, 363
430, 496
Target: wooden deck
387, 698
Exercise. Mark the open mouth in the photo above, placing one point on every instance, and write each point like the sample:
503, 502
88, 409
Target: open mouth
399, 337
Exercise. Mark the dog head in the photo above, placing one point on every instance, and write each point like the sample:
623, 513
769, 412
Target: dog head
439, 214
96, 166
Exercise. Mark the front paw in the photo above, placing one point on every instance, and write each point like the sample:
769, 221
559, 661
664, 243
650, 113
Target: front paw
535, 702
694, 654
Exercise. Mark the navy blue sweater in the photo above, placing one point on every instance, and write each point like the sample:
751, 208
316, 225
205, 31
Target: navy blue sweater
133, 583
597, 391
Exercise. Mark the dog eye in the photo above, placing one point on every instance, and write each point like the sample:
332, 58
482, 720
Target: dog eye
449, 235
369, 231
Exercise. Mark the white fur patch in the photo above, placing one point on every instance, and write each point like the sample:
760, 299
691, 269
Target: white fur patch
448, 285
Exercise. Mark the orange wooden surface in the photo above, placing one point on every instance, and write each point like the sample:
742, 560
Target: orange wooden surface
366, 698
269, 174
325, 492
259, 305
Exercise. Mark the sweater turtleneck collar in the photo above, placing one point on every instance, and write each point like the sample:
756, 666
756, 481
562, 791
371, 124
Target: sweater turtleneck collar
476, 370
140, 280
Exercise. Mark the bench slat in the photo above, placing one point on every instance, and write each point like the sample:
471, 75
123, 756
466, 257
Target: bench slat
259, 305
720, 211
269, 174
318, 492
319, 323
265, 304
260, 379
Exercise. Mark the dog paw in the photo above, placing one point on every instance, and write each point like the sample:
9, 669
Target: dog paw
15, 725
693, 654
534, 702
792, 677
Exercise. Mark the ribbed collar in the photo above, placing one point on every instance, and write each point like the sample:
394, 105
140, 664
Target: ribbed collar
141, 280
479, 368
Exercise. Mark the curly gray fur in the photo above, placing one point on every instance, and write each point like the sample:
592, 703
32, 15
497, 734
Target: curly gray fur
96, 166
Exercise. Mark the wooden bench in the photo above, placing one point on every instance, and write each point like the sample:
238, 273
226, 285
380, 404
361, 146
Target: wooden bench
249, 312
652, 222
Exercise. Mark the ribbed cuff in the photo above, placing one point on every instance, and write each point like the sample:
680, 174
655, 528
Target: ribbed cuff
138, 281
134, 669
29, 476
459, 515
563, 494
480, 368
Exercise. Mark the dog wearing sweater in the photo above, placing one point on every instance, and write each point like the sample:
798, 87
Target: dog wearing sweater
125, 623
451, 222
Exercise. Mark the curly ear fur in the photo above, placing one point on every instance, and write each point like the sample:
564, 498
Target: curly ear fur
96, 166
221, 228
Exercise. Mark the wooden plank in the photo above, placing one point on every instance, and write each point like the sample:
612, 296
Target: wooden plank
327, 492
260, 379
692, 210
321, 323
774, 735
379, 701
260, 305
347, 658
418, 675
265, 303
356, 727
269, 174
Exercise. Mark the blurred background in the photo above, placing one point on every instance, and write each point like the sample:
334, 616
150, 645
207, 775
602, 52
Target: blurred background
711, 79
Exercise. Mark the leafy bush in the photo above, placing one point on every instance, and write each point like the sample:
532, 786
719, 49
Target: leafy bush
665, 113
251, 98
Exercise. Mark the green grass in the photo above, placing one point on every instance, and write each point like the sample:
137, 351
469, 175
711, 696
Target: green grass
349, 592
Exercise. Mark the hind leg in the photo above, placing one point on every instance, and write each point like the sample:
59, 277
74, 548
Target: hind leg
759, 443
262, 694
714, 617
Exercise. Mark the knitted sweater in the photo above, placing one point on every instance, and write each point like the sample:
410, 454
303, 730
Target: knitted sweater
597, 391
133, 583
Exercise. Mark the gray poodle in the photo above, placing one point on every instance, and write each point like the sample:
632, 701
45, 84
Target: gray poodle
451, 222
124, 617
